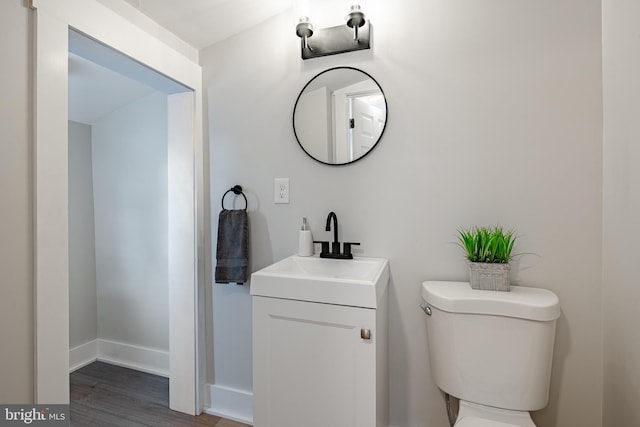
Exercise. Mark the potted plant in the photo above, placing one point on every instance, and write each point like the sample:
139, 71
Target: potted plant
489, 250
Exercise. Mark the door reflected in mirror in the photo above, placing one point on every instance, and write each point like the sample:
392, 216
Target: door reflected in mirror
340, 116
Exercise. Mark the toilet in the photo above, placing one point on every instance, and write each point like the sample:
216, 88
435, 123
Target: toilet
492, 350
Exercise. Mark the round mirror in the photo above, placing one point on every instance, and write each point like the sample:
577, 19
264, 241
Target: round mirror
340, 115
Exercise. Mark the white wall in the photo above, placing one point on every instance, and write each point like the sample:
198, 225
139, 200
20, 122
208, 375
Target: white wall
621, 293
130, 193
495, 116
16, 204
83, 326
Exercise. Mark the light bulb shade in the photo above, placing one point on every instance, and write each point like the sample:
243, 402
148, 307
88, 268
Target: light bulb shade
355, 18
304, 29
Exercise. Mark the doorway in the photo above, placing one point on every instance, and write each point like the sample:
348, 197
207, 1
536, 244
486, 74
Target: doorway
185, 196
118, 208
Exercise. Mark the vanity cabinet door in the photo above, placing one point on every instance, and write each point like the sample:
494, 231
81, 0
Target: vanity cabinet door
314, 365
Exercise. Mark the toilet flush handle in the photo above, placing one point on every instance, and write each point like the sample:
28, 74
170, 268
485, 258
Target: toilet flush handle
425, 307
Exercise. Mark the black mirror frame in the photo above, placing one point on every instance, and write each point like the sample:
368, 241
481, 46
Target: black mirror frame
386, 115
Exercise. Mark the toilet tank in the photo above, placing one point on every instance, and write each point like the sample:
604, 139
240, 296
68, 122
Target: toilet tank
490, 347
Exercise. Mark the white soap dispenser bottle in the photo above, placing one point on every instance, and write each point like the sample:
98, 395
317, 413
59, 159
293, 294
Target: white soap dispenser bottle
305, 242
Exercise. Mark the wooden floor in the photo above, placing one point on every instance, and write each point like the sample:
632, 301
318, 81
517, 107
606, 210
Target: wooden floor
108, 395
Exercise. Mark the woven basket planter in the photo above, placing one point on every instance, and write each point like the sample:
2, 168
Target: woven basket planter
490, 277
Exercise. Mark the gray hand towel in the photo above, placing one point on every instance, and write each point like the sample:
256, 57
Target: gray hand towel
232, 254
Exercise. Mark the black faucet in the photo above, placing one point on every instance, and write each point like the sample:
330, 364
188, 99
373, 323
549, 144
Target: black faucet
335, 245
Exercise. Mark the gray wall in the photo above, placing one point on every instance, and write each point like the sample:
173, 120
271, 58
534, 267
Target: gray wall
495, 116
621, 290
129, 149
16, 204
83, 325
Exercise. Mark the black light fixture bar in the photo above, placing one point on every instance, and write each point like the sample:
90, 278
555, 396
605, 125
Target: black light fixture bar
335, 40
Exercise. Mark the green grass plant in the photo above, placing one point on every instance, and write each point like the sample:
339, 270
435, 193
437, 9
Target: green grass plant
487, 244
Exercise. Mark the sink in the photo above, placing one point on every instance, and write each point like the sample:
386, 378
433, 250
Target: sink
326, 268
359, 282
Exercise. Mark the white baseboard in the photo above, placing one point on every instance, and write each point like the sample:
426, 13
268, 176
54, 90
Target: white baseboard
82, 355
231, 403
135, 357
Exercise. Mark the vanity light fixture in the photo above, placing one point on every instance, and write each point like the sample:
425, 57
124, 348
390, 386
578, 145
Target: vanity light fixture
355, 35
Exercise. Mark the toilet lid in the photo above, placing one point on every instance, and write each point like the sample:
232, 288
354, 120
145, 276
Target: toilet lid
481, 422
522, 302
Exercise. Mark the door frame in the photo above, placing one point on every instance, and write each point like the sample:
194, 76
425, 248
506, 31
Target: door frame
54, 18
351, 97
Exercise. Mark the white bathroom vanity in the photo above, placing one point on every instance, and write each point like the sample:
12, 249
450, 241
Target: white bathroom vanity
320, 343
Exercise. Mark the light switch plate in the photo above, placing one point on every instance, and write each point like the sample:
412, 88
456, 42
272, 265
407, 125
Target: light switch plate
281, 190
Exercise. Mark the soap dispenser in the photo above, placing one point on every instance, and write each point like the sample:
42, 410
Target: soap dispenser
305, 242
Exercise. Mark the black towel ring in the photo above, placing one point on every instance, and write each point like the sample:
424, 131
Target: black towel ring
236, 190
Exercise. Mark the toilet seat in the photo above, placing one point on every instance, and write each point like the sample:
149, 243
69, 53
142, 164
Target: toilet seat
474, 415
